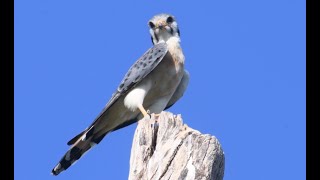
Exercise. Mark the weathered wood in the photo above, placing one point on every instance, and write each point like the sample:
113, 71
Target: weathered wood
168, 149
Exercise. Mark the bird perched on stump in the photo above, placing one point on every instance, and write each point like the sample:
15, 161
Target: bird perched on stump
152, 84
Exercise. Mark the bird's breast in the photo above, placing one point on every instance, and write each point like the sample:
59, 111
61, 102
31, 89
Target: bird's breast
175, 51
165, 77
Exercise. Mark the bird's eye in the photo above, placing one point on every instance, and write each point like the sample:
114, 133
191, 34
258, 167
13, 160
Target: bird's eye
151, 25
169, 19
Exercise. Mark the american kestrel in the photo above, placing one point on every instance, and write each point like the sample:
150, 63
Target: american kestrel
152, 84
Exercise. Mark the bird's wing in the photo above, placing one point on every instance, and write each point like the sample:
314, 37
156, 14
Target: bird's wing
140, 69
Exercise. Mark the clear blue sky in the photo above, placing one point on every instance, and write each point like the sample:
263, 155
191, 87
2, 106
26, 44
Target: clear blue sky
247, 65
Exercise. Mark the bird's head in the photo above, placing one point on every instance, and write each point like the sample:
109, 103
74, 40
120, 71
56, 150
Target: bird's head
163, 27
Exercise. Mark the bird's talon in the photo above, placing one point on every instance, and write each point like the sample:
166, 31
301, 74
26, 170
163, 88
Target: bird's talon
147, 116
157, 115
148, 112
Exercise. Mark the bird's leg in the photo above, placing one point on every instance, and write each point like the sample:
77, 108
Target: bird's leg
145, 113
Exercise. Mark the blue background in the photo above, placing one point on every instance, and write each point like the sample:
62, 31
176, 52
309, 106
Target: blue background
247, 65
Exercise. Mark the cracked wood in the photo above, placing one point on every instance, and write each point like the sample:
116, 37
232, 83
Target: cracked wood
167, 148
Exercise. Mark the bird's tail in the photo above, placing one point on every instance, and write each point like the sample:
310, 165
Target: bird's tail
72, 155
79, 146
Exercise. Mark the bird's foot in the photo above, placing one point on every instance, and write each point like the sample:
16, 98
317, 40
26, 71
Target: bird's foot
156, 116
147, 116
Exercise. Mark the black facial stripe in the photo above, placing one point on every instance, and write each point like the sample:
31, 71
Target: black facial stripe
156, 37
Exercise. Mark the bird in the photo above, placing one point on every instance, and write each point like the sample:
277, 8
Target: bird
155, 82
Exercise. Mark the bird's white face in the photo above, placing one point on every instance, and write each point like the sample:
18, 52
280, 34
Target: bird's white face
162, 28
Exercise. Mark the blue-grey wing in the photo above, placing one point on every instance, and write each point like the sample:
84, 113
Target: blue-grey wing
140, 69
143, 66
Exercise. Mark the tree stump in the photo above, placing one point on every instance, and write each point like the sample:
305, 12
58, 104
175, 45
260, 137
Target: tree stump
165, 148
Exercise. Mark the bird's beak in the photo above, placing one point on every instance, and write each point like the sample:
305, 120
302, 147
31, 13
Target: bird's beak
161, 24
